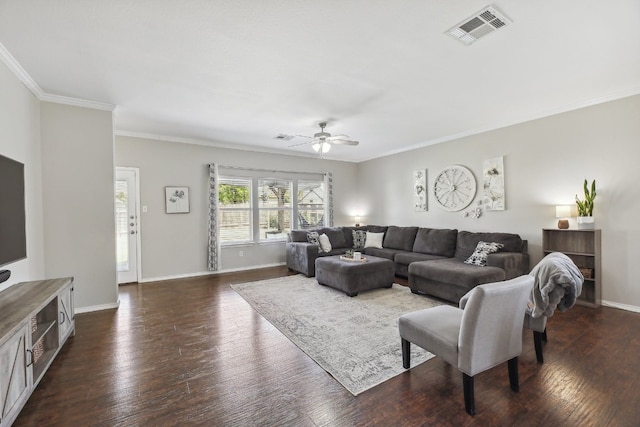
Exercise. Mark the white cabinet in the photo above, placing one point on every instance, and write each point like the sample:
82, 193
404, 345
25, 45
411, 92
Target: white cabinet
14, 380
66, 317
36, 318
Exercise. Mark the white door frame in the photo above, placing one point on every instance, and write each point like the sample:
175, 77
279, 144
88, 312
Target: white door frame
136, 172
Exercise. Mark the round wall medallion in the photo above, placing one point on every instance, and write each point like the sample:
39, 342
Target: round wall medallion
454, 188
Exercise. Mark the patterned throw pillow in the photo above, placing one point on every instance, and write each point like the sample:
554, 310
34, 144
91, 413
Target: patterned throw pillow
312, 237
359, 237
483, 249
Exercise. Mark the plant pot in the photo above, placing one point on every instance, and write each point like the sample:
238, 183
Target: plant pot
585, 223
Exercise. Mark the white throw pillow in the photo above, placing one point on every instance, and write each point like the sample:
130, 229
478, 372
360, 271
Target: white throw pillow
325, 244
374, 240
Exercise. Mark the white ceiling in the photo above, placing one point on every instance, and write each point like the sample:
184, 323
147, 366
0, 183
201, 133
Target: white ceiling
239, 72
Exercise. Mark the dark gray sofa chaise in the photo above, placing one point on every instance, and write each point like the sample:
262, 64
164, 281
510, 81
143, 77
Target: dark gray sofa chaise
431, 259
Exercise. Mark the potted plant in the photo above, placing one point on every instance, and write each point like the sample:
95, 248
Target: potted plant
585, 207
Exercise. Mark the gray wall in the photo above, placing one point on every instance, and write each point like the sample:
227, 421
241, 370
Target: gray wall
176, 245
545, 163
20, 140
78, 200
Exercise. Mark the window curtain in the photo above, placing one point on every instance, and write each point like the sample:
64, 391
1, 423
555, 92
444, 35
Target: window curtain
328, 181
212, 264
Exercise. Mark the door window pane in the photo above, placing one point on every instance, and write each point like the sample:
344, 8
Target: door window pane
122, 228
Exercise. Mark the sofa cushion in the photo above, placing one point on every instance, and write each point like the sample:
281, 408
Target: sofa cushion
482, 251
376, 228
433, 241
359, 238
467, 242
400, 238
454, 271
406, 258
373, 240
298, 235
348, 236
335, 235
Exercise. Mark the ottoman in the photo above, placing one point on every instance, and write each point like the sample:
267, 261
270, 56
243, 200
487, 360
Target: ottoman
353, 276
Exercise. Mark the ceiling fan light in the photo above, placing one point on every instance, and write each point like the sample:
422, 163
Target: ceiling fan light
322, 147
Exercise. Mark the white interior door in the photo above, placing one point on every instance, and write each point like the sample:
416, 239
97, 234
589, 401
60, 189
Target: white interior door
127, 230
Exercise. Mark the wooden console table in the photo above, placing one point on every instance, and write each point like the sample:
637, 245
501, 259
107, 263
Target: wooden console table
36, 318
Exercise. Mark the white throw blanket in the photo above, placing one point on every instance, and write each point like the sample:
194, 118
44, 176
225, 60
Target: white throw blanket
558, 283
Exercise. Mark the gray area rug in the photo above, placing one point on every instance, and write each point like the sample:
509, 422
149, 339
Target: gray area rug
356, 339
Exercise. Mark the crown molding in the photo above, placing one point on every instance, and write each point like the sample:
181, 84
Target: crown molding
210, 143
26, 79
77, 102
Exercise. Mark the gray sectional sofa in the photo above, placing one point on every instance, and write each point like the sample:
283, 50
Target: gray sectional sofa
432, 259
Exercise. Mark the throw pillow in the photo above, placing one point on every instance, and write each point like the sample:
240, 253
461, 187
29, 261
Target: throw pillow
359, 237
483, 249
325, 244
312, 237
373, 240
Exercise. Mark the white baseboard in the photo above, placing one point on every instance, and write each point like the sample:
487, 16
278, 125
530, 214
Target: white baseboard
97, 308
625, 307
209, 273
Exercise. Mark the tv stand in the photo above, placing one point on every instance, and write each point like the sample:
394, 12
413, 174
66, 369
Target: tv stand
37, 319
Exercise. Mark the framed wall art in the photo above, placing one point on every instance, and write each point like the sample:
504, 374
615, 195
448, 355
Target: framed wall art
420, 190
176, 199
493, 186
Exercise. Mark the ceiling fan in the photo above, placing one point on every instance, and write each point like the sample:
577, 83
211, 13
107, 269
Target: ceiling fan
322, 141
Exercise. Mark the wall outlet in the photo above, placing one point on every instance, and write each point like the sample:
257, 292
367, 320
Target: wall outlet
241, 253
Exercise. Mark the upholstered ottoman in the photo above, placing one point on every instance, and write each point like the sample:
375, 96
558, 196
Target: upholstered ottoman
353, 276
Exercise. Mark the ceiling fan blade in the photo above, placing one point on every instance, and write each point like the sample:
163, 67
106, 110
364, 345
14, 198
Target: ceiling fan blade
344, 142
303, 143
338, 137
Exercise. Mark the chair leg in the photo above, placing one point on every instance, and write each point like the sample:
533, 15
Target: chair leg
406, 353
469, 401
513, 374
544, 335
538, 337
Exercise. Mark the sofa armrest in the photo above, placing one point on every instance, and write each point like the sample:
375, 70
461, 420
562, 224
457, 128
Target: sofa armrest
513, 263
301, 257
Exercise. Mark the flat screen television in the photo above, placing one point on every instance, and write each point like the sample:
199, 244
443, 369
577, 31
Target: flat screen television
13, 239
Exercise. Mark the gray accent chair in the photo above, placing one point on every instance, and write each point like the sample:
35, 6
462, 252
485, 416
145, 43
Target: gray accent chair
485, 332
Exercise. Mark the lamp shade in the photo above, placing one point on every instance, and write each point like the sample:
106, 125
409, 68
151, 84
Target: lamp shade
322, 147
563, 211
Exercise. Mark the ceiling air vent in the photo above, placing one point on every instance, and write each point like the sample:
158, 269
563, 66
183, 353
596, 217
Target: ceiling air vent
485, 21
284, 137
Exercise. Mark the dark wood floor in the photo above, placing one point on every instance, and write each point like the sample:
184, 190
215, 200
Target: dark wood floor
192, 352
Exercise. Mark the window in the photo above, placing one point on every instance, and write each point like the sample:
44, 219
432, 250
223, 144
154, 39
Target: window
274, 208
253, 208
235, 213
310, 198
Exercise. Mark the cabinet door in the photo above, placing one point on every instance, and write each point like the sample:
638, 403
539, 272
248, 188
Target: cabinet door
14, 380
65, 313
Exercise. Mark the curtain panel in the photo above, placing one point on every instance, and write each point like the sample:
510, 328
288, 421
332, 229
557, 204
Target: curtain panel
214, 246
328, 179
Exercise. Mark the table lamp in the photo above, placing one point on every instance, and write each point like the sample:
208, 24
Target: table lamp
563, 212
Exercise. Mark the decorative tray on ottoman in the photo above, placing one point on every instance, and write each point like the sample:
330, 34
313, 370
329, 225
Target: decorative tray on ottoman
344, 258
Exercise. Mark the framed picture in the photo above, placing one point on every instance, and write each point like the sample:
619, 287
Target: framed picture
176, 199
493, 176
420, 190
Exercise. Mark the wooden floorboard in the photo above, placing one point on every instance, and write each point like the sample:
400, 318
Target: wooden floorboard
193, 352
